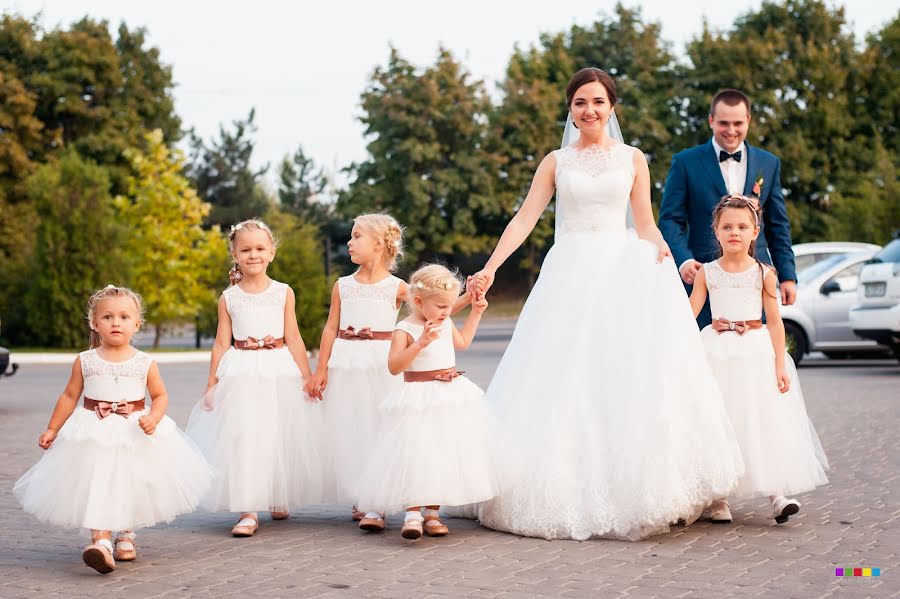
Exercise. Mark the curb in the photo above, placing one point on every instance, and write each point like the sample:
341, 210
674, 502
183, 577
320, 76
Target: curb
192, 357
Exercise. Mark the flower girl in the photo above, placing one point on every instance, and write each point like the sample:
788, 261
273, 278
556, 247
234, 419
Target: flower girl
254, 424
757, 377
437, 443
115, 463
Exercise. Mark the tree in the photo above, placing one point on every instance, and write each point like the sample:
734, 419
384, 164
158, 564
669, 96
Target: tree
795, 60
74, 249
427, 164
170, 256
298, 262
301, 191
224, 177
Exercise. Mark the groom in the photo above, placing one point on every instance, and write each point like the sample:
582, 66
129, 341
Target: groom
701, 175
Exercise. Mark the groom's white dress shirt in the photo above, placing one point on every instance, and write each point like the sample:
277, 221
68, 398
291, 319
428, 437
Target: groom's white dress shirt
734, 172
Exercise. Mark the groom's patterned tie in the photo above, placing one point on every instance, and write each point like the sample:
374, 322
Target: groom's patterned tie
723, 156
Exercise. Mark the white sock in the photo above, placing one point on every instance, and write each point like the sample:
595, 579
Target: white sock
432, 513
373, 515
126, 539
410, 516
247, 521
105, 543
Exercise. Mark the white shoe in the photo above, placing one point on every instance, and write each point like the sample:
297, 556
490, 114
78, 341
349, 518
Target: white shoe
783, 507
718, 512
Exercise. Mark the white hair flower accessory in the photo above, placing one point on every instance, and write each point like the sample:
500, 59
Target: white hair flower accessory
420, 285
110, 286
237, 227
397, 243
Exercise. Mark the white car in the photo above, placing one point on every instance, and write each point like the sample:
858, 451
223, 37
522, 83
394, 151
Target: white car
807, 254
819, 320
877, 315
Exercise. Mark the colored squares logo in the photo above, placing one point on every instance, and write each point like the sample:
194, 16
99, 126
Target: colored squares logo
857, 572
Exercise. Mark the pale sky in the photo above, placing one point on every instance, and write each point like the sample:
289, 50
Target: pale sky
303, 65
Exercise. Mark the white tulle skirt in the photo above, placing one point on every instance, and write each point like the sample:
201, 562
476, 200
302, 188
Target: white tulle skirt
260, 434
606, 387
109, 475
781, 450
358, 382
438, 447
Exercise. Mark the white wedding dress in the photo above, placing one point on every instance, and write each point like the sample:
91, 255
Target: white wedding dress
620, 426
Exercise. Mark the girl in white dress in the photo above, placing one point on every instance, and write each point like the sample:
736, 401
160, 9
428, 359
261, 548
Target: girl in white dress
757, 377
437, 442
256, 426
352, 375
115, 463
605, 385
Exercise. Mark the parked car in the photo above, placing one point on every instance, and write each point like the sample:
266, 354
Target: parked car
5, 364
877, 315
819, 320
807, 254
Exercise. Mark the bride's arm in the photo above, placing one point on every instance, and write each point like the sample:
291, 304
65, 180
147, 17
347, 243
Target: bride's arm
521, 225
644, 223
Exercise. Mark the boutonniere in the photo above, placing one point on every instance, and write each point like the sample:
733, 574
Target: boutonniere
757, 186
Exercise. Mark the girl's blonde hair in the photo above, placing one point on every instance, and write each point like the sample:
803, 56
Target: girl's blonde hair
433, 279
235, 274
107, 292
386, 229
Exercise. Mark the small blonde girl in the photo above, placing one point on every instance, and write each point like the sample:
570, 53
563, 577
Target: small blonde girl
115, 463
436, 445
756, 375
254, 424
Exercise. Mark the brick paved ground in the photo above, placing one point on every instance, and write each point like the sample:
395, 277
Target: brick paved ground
319, 552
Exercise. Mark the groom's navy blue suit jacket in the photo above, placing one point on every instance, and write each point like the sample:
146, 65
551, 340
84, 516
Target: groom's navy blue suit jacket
695, 185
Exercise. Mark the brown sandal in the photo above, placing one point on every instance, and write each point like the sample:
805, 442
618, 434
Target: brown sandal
99, 558
357, 515
412, 530
125, 555
434, 527
240, 530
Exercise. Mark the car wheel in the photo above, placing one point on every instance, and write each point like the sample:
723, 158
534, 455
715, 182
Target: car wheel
833, 355
896, 348
794, 341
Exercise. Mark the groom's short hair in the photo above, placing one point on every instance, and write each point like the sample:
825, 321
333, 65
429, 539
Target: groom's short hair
732, 97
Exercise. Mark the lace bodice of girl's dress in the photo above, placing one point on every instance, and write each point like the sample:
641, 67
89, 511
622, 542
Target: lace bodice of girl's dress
256, 314
735, 296
438, 354
369, 305
115, 381
593, 187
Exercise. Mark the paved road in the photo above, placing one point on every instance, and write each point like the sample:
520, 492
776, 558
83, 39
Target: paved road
319, 552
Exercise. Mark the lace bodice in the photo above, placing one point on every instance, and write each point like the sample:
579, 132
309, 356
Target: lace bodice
369, 305
735, 296
594, 187
115, 381
256, 314
438, 354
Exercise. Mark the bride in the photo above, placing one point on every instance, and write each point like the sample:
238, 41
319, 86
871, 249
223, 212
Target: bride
615, 414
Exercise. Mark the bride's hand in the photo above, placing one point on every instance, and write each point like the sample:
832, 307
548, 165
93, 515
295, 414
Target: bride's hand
664, 252
483, 279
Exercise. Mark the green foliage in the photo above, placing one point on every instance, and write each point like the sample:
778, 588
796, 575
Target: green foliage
74, 249
171, 258
224, 177
427, 164
299, 263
